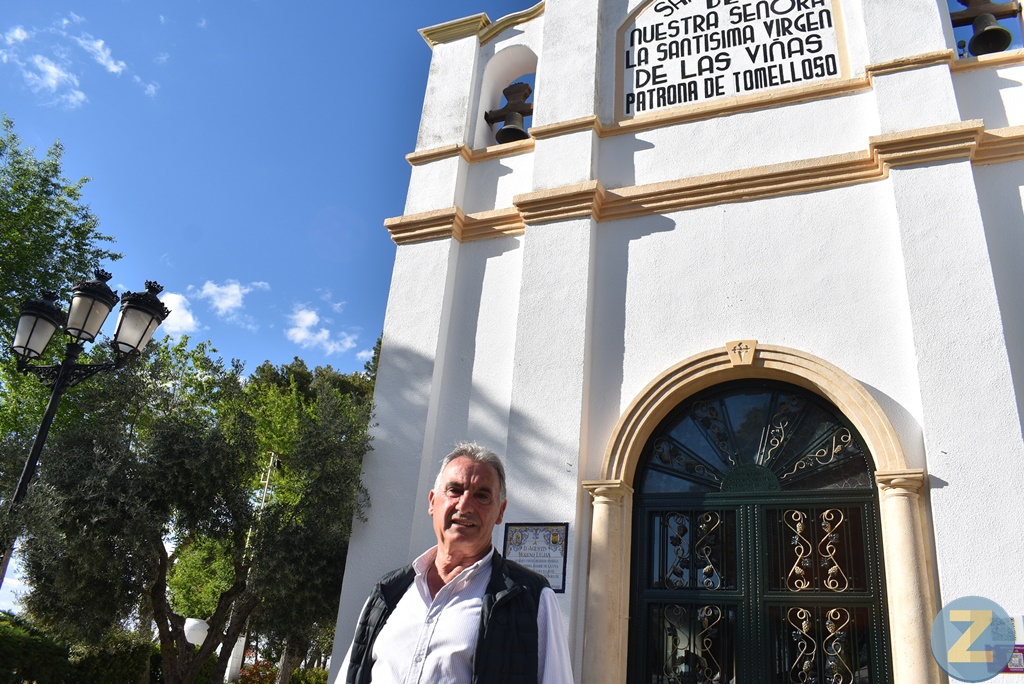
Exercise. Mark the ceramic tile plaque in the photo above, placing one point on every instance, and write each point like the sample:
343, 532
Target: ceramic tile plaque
541, 547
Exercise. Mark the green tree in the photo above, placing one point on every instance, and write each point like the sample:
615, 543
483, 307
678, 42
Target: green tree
153, 495
49, 238
306, 526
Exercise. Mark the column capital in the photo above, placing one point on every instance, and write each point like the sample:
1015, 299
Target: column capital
905, 482
607, 492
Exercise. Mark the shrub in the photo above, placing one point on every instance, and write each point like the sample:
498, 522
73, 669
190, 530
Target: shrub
311, 675
119, 659
260, 672
30, 655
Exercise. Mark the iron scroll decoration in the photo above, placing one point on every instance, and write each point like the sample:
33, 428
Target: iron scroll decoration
765, 438
757, 556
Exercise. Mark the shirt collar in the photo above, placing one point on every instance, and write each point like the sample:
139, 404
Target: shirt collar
426, 559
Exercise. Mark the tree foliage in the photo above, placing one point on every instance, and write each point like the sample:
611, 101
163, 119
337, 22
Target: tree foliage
154, 502
49, 238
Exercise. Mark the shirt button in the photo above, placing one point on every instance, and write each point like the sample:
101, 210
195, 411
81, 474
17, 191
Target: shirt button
419, 659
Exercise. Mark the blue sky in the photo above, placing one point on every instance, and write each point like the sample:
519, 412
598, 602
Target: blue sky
244, 154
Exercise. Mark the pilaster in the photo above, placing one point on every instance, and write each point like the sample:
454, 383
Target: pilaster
607, 619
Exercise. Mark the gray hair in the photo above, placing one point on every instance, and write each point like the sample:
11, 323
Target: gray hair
478, 454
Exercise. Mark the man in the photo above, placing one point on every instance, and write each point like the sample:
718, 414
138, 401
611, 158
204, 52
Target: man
461, 613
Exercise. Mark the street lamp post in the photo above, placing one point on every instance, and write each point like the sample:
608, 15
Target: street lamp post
91, 302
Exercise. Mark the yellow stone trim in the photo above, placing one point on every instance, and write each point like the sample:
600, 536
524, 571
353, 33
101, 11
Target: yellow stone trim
1000, 145
472, 156
427, 156
709, 368
903, 481
452, 223
741, 352
510, 20
926, 145
741, 186
582, 199
993, 61
455, 30
478, 25
962, 140
429, 225
586, 123
491, 224
921, 61
498, 151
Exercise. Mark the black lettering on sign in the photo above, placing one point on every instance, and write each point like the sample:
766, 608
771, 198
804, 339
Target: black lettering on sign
679, 51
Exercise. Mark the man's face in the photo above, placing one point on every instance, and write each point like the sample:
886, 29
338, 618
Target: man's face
465, 506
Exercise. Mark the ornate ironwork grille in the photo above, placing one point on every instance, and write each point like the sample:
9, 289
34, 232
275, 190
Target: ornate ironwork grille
757, 556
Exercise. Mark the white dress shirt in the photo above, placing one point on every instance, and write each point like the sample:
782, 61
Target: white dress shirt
431, 640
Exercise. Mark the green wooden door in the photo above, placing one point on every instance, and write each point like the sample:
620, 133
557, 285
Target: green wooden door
756, 548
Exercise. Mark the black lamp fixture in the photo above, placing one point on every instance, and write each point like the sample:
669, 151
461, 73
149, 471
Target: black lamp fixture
91, 303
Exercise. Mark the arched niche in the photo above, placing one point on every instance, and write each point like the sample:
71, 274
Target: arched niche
504, 68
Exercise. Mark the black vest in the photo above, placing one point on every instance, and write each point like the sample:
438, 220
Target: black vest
506, 645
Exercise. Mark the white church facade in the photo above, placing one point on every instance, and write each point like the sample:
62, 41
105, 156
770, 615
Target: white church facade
742, 313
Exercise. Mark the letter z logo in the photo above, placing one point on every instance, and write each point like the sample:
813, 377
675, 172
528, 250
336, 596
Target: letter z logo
961, 651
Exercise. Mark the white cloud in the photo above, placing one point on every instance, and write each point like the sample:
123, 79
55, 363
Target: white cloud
148, 88
365, 355
181, 321
202, 23
229, 298
163, 19
73, 99
47, 75
328, 297
18, 34
162, 58
304, 331
99, 51
72, 18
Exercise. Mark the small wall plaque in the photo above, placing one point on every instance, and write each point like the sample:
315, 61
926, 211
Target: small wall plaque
541, 547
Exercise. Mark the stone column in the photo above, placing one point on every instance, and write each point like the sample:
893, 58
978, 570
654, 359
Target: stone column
908, 575
607, 620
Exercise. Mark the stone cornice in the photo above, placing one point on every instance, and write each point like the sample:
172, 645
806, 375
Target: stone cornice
472, 156
928, 145
478, 25
993, 61
429, 225
961, 140
573, 201
511, 20
1000, 145
455, 30
921, 61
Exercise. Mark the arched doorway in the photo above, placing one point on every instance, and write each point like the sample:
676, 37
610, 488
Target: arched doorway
906, 534
756, 547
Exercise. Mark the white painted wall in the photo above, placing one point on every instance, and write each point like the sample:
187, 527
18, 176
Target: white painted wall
995, 95
535, 345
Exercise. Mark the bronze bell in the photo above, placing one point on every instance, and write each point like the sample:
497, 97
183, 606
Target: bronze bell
512, 113
512, 130
989, 36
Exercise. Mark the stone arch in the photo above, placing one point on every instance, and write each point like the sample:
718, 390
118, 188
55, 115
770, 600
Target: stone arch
906, 537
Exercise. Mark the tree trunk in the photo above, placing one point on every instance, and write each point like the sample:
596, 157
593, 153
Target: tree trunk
291, 658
